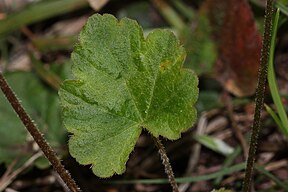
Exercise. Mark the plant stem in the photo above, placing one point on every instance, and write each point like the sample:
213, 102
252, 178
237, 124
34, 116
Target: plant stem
165, 162
259, 95
39, 139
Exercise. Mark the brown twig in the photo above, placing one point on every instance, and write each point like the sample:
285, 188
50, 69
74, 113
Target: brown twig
165, 162
8, 179
259, 95
235, 127
196, 149
39, 139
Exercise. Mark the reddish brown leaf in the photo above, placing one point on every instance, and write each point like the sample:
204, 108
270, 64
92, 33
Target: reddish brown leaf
239, 45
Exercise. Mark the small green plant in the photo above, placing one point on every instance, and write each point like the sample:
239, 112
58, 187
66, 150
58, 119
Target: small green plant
124, 84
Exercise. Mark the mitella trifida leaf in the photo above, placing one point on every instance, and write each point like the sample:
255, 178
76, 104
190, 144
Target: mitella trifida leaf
124, 83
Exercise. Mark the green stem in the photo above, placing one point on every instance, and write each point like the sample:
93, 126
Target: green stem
165, 162
259, 95
39, 139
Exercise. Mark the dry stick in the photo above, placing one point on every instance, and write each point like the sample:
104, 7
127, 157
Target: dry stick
235, 127
259, 95
165, 162
9, 178
39, 139
196, 150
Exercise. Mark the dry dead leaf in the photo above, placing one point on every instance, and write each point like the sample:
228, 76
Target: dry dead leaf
239, 45
97, 4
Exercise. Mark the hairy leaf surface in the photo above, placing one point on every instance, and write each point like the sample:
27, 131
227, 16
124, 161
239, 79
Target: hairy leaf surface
124, 83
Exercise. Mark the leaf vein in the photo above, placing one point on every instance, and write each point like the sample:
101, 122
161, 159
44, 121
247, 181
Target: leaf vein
101, 108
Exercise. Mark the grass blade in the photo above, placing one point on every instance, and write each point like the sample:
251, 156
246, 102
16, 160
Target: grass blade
220, 173
272, 177
37, 12
282, 7
275, 117
214, 144
228, 161
272, 80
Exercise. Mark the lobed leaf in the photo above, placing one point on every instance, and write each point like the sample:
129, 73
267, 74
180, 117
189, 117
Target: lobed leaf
124, 83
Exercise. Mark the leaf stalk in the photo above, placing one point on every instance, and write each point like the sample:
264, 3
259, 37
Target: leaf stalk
166, 163
36, 134
259, 95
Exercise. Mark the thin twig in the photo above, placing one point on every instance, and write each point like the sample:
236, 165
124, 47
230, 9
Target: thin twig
235, 127
196, 149
39, 139
165, 162
9, 178
259, 95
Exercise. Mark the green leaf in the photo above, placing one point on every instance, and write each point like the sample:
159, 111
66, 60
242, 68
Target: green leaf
214, 144
41, 104
124, 83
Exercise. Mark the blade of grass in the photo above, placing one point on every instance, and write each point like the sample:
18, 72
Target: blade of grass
275, 117
48, 76
45, 44
219, 173
169, 14
282, 7
214, 144
272, 177
272, 80
37, 12
186, 11
228, 161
